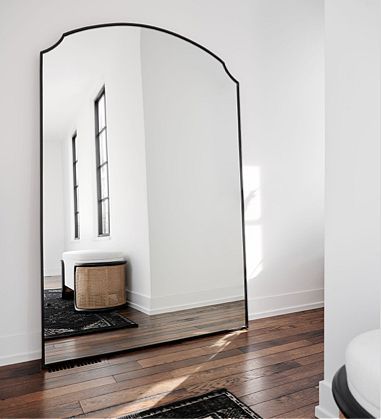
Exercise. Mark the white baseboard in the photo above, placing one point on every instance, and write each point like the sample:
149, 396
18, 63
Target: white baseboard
10, 344
327, 407
274, 305
168, 304
20, 357
321, 413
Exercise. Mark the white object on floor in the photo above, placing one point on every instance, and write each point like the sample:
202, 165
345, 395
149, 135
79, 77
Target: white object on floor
77, 257
363, 365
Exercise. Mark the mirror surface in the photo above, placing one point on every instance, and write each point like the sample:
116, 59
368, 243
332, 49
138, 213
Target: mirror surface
142, 216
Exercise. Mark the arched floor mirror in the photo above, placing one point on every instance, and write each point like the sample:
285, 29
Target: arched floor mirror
141, 192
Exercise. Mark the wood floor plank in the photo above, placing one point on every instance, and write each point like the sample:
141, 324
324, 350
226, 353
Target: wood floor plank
141, 404
261, 358
282, 390
41, 411
168, 367
55, 392
22, 370
39, 383
281, 405
303, 412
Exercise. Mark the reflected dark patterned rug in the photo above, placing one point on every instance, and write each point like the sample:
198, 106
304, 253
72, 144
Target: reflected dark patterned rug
219, 404
61, 319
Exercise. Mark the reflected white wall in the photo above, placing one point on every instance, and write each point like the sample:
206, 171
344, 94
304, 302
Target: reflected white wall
194, 201
54, 208
108, 57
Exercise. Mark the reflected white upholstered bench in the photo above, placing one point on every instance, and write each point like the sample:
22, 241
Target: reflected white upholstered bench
97, 278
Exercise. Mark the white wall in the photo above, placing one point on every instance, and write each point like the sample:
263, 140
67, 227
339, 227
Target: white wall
283, 152
274, 48
352, 231
193, 184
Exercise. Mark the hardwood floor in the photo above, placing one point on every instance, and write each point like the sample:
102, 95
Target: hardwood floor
152, 330
274, 367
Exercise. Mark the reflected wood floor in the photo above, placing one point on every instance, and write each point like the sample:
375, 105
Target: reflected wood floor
152, 330
52, 282
274, 367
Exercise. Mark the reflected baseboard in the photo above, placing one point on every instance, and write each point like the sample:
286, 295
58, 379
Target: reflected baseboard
137, 306
168, 304
51, 272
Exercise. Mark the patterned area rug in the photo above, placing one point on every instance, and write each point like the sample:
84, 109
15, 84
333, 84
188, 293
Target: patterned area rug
219, 404
61, 319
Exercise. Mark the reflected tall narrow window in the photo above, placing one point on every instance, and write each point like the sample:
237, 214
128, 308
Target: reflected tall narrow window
102, 165
75, 185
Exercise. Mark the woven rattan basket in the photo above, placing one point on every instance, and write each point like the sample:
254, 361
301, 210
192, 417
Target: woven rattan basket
100, 287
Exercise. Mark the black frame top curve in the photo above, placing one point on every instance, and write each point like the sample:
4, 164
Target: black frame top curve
233, 79
144, 26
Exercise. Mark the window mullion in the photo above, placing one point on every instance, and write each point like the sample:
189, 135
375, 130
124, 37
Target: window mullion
102, 165
75, 186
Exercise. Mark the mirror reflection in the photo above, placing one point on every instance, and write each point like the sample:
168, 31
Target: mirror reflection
142, 224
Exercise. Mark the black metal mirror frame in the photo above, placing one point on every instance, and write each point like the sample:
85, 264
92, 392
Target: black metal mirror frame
235, 81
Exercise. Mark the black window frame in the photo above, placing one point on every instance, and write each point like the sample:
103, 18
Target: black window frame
100, 195
74, 150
